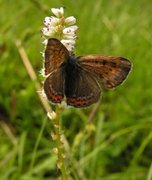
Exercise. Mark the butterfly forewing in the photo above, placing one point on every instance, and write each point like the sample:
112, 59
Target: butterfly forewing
55, 55
109, 71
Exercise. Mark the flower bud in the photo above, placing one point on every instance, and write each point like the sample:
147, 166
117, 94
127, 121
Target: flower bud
70, 21
70, 30
51, 115
58, 12
48, 31
47, 21
55, 150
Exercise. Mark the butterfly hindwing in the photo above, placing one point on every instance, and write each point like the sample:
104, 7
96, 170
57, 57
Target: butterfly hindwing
81, 88
110, 71
54, 86
55, 54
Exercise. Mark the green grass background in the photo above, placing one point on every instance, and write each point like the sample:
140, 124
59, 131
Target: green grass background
117, 144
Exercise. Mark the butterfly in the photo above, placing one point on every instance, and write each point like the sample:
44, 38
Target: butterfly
79, 80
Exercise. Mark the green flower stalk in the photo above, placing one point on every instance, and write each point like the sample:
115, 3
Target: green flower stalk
57, 137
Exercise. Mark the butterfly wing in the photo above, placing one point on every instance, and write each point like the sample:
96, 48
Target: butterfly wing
54, 86
109, 71
81, 88
55, 54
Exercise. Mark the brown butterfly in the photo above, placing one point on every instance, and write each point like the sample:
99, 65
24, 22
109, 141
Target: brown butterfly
79, 80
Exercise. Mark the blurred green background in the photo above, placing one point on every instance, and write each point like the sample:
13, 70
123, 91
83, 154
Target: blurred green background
117, 142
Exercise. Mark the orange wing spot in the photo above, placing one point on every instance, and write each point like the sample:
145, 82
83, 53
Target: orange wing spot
80, 103
113, 71
53, 98
56, 99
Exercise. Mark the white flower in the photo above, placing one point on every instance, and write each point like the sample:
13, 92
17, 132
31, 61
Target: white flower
58, 12
70, 30
48, 31
51, 115
70, 21
51, 21
47, 21
45, 42
69, 44
60, 28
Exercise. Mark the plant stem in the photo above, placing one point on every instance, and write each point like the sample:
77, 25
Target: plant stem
59, 150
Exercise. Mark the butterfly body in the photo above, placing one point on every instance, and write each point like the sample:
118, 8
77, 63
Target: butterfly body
80, 79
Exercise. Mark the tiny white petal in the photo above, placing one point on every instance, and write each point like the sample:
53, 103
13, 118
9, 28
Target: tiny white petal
69, 44
74, 27
54, 21
70, 48
42, 72
68, 33
58, 12
42, 54
51, 115
47, 21
45, 42
61, 10
69, 37
45, 31
70, 30
48, 31
70, 20
51, 21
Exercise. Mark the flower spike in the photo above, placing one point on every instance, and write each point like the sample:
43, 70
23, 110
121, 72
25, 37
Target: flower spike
61, 28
